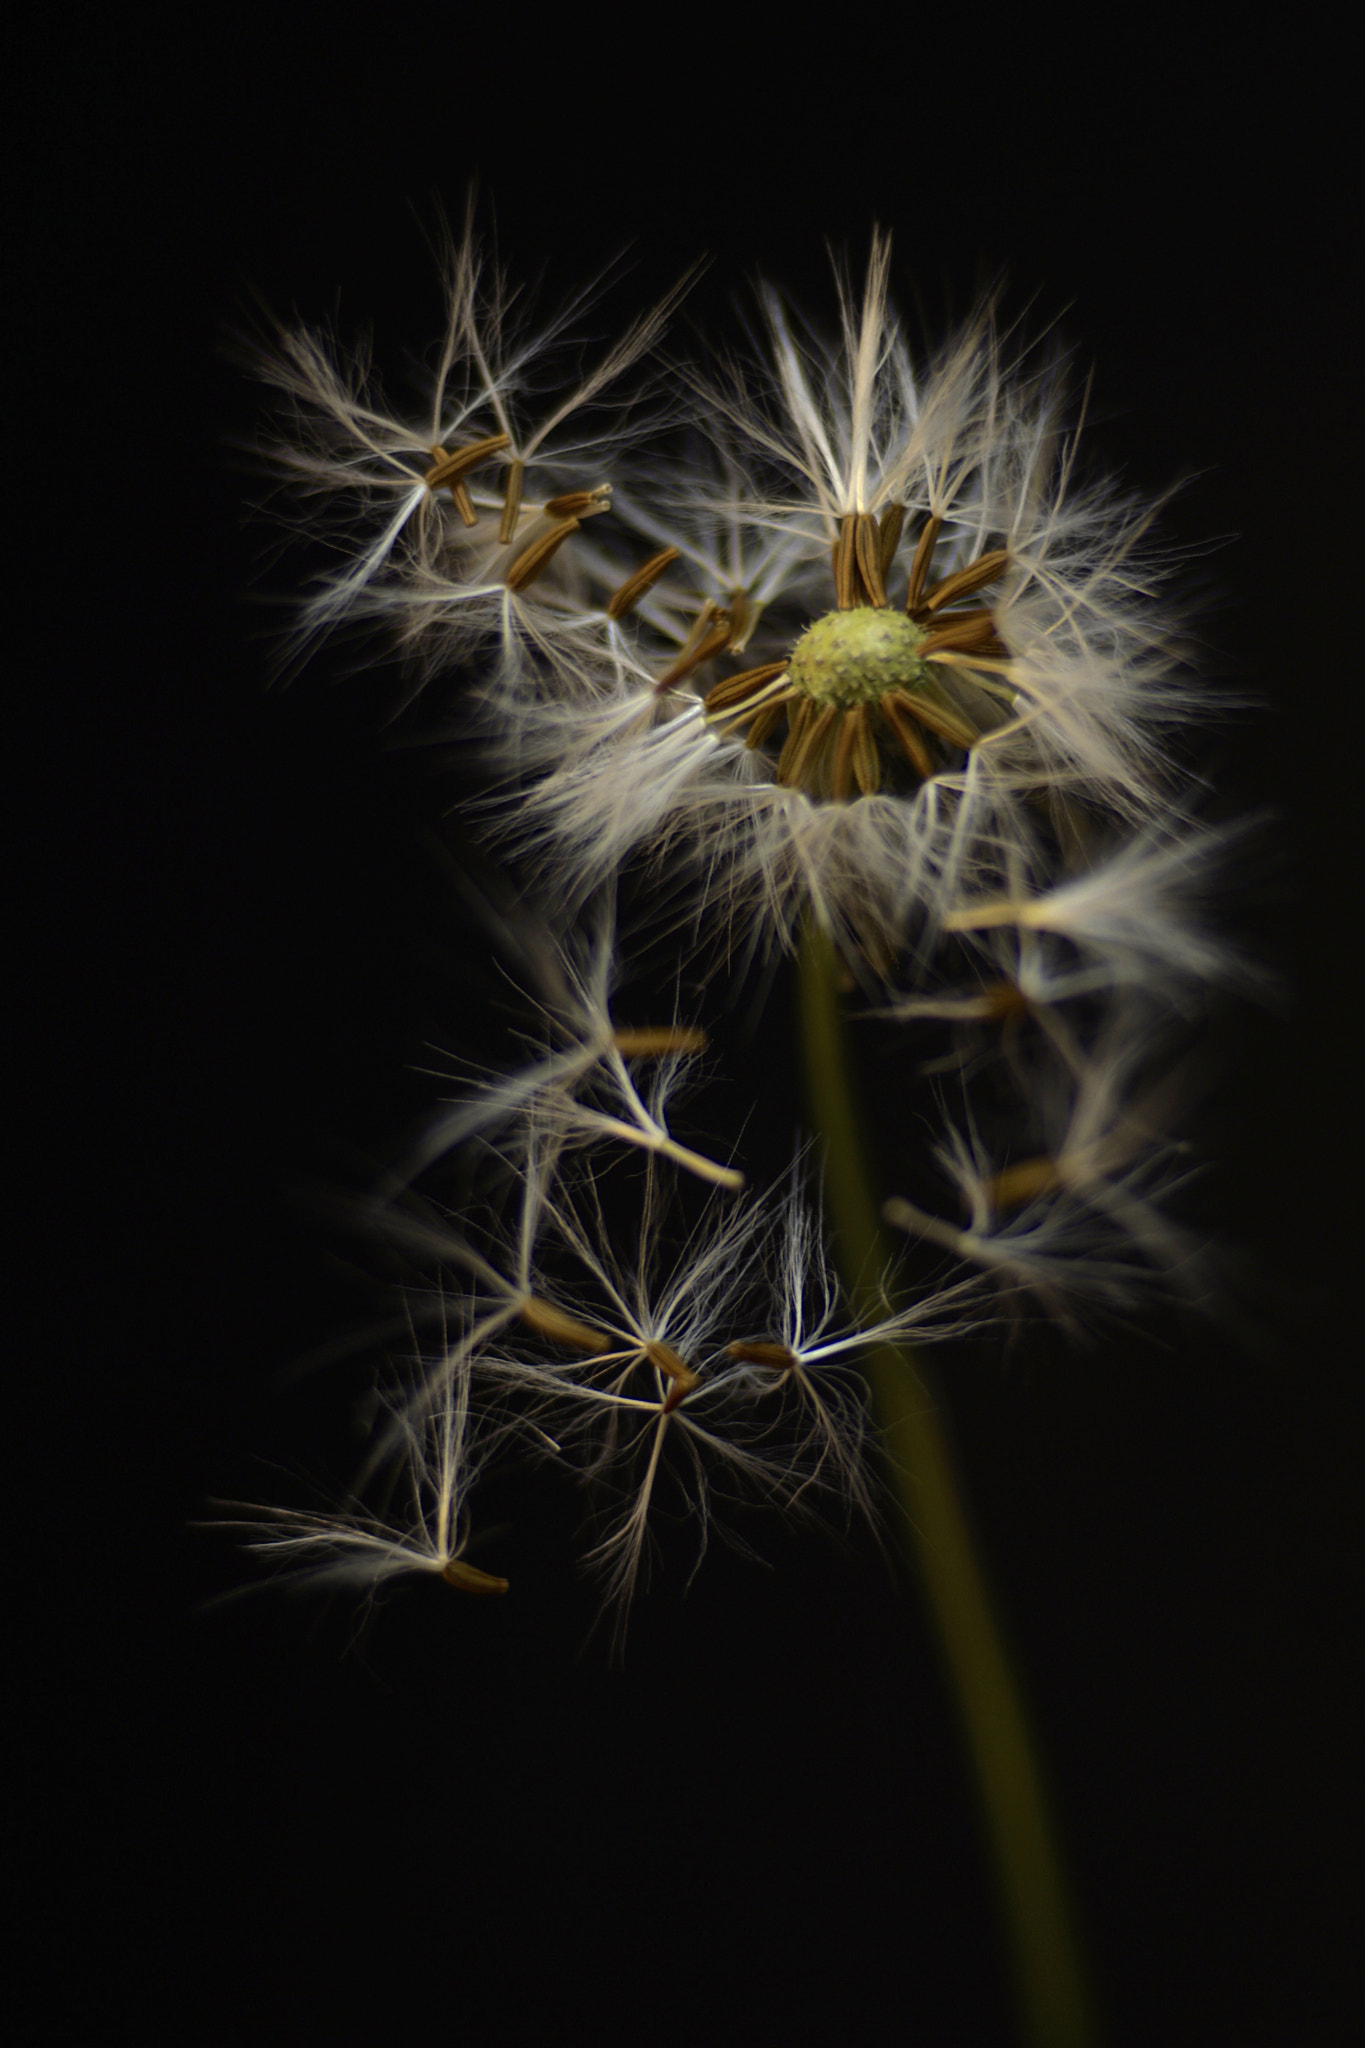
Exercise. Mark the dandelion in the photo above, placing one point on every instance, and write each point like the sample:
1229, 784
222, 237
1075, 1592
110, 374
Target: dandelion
840, 639
839, 647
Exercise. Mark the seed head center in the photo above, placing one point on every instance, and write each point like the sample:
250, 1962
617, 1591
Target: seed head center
855, 657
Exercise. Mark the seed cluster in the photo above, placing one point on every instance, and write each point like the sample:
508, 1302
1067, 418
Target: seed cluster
843, 650
866, 656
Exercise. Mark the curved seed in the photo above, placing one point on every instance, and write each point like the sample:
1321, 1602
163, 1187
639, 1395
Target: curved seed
535, 558
628, 594
986, 569
467, 1578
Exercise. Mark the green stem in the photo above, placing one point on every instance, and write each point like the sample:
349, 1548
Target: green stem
1054, 2001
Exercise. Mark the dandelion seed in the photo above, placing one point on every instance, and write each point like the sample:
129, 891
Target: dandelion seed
666, 1401
499, 1288
1081, 1221
1128, 913
585, 1089
814, 1342
356, 1548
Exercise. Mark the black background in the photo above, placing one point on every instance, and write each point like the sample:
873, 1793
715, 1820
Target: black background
760, 1828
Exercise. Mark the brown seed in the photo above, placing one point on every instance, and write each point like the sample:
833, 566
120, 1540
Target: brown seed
980, 614
628, 594
511, 501
710, 633
657, 1041
561, 1328
950, 725
467, 1578
743, 617
774, 699
867, 766
775, 1355
452, 464
868, 548
912, 742
798, 718
765, 721
986, 569
961, 636
847, 593
736, 688
843, 760
851, 755
889, 536
579, 504
807, 749
760, 714
666, 1360
536, 557
1015, 1185
924, 554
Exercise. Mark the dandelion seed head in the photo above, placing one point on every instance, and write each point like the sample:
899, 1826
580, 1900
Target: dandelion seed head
835, 639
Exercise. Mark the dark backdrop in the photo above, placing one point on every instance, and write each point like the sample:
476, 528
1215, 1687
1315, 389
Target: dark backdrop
761, 1828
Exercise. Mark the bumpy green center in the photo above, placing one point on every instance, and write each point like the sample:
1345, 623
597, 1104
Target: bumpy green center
855, 657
